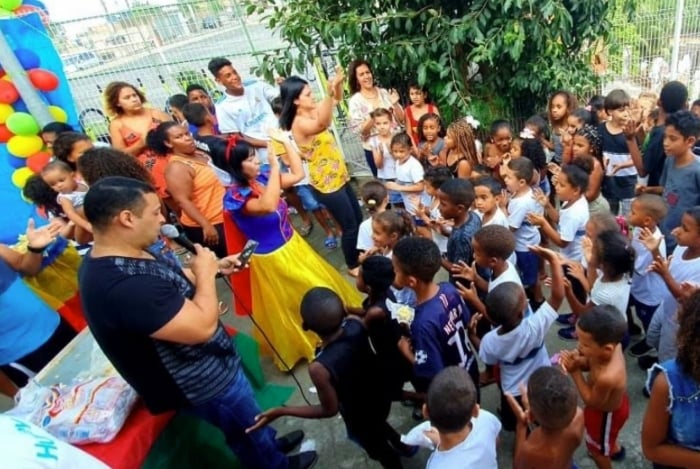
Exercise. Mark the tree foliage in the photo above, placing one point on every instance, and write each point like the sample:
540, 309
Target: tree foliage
480, 56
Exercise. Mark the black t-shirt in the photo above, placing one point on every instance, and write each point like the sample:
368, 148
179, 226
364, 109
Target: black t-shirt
354, 371
214, 146
654, 156
125, 301
384, 337
615, 151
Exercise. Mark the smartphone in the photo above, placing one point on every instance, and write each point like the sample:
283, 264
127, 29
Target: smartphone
247, 251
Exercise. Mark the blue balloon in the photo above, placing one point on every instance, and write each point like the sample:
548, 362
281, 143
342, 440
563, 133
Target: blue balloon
28, 59
19, 106
16, 162
35, 3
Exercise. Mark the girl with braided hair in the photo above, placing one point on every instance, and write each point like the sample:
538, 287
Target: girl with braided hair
460, 153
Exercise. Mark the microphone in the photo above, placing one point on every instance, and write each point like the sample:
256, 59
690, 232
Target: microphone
170, 232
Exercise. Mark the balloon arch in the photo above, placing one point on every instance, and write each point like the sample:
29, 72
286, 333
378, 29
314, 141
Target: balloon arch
23, 24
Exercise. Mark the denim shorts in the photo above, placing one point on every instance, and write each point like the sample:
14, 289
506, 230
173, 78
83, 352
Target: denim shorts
528, 265
308, 199
394, 196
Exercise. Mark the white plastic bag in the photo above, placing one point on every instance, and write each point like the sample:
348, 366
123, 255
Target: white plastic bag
416, 436
91, 411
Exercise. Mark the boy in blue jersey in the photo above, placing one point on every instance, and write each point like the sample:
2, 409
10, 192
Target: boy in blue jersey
441, 321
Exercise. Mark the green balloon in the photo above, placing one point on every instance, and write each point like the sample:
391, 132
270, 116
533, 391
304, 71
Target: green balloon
4, 13
21, 123
10, 4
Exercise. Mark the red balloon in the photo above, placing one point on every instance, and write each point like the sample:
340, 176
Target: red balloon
5, 133
27, 9
37, 161
8, 92
43, 80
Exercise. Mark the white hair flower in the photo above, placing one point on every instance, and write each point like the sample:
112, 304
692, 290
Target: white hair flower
472, 122
527, 133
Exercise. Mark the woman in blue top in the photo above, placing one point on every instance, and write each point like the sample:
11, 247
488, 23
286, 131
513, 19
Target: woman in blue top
671, 427
31, 333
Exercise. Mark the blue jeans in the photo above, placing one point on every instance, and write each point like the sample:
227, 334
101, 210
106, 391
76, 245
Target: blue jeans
644, 311
308, 200
369, 158
342, 204
232, 412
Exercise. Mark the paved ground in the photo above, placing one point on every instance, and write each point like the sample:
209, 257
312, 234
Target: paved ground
337, 452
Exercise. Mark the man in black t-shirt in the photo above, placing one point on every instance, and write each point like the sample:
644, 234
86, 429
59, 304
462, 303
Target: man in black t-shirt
159, 324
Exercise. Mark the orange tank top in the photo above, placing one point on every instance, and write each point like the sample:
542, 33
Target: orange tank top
155, 164
207, 192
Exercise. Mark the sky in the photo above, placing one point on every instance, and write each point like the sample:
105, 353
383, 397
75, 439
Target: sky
59, 10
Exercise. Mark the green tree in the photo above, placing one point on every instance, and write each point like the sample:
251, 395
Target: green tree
480, 56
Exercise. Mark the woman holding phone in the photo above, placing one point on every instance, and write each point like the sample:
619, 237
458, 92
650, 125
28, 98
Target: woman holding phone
284, 267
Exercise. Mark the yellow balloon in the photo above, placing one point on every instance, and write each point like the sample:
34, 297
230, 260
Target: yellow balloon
58, 114
24, 146
20, 176
5, 111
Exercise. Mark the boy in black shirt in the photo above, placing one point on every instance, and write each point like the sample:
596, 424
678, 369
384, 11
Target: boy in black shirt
345, 372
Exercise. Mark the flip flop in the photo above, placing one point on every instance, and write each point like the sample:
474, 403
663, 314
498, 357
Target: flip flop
330, 242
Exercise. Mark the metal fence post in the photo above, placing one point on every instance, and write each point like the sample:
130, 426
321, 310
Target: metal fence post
677, 39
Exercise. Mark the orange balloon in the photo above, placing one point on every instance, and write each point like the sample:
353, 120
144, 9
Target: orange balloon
37, 161
8, 92
43, 80
5, 133
28, 9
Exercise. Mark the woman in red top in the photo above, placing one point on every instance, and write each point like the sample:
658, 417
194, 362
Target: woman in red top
414, 111
131, 121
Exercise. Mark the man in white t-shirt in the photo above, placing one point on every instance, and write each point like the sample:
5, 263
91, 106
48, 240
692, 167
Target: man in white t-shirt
468, 434
23, 444
244, 110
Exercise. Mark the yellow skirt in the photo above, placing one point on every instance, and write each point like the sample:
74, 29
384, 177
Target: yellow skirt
279, 280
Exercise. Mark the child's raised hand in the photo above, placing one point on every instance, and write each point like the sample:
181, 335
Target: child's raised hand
394, 96
474, 320
647, 238
462, 270
660, 265
630, 129
545, 253
536, 219
568, 361
553, 168
505, 200
468, 293
540, 196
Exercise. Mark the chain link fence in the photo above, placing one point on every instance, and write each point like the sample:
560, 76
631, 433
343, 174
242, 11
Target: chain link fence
162, 49
640, 55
